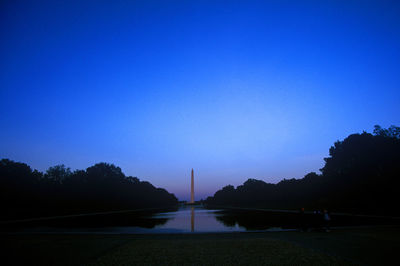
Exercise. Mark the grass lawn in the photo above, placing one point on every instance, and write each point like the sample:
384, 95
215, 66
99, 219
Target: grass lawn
356, 246
214, 252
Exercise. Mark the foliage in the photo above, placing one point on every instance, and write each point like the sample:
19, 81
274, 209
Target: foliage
361, 174
391, 132
101, 187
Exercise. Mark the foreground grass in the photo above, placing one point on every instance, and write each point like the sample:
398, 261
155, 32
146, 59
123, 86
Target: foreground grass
360, 246
215, 252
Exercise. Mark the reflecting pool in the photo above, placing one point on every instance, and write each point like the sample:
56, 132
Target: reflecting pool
194, 219
187, 219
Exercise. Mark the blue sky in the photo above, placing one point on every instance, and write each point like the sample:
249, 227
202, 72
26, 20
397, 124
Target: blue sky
233, 89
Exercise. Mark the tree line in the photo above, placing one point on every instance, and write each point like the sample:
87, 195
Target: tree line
361, 175
59, 191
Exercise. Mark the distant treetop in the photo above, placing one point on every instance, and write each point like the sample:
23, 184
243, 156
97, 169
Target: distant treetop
391, 132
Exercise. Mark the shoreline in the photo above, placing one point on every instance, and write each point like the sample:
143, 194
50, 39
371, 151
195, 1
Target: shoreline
172, 232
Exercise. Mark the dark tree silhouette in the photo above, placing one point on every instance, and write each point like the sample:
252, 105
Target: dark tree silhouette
361, 174
102, 187
391, 132
58, 173
363, 171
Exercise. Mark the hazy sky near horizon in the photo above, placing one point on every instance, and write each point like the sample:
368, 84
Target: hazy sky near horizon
233, 89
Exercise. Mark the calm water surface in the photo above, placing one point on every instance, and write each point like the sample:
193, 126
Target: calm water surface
194, 219
188, 219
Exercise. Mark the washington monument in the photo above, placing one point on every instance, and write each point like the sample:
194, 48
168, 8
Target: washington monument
192, 189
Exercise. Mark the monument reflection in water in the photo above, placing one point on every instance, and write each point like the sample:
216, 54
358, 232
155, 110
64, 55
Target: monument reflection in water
192, 220
201, 219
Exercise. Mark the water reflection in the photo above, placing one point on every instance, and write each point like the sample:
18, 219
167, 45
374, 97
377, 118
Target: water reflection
195, 219
186, 219
258, 220
123, 219
192, 220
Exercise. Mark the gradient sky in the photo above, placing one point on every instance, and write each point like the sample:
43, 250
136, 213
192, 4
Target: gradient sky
233, 89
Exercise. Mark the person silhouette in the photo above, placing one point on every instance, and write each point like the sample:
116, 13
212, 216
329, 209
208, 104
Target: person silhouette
327, 220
